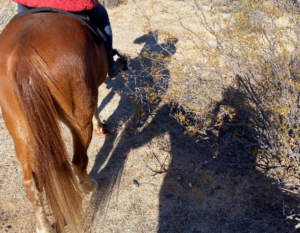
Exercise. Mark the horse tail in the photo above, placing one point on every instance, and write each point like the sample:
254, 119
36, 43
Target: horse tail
50, 165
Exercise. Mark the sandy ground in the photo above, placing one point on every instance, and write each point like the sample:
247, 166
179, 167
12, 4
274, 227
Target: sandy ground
153, 178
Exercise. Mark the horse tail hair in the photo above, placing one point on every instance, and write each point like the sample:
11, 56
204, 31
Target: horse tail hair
50, 166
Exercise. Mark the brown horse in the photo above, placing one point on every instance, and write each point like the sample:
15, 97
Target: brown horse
50, 69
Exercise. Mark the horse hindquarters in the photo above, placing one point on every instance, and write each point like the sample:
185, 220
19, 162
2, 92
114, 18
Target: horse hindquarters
47, 72
31, 119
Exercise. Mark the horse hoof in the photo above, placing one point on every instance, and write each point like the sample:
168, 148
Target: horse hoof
104, 131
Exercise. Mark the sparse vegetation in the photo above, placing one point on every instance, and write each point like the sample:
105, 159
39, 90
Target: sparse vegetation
241, 85
112, 3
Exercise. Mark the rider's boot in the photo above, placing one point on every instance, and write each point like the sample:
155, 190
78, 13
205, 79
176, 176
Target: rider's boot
99, 15
114, 67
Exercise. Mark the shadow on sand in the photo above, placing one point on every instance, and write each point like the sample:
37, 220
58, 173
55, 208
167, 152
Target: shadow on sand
210, 186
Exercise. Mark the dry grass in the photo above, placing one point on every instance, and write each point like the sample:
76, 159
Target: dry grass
240, 85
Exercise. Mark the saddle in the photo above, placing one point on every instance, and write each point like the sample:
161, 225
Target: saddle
98, 36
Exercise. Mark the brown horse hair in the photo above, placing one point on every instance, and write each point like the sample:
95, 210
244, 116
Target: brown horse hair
50, 160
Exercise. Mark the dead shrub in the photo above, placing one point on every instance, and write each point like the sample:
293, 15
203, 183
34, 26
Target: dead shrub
245, 89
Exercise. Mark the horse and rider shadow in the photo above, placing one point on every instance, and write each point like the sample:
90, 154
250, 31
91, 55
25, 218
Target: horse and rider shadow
117, 145
209, 186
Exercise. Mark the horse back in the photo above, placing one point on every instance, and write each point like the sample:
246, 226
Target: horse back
65, 48
55, 37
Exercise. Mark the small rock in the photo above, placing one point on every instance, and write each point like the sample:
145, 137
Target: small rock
135, 184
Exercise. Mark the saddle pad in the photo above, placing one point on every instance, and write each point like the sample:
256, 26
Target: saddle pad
82, 17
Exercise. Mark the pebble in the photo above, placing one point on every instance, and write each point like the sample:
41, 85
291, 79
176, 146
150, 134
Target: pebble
135, 184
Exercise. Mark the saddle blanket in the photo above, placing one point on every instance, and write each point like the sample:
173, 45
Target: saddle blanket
82, 17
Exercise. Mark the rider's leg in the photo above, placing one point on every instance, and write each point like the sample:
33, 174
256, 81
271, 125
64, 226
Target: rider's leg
22, 8
100, 17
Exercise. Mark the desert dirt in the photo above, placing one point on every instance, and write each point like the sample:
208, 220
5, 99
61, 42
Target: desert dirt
153, 177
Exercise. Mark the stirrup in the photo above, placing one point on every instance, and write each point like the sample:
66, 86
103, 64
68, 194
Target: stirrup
121, 59
118, 66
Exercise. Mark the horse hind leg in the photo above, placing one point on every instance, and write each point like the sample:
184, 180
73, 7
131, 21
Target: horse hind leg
79, 121
34, 194
82, 130
81, 141
17, 129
